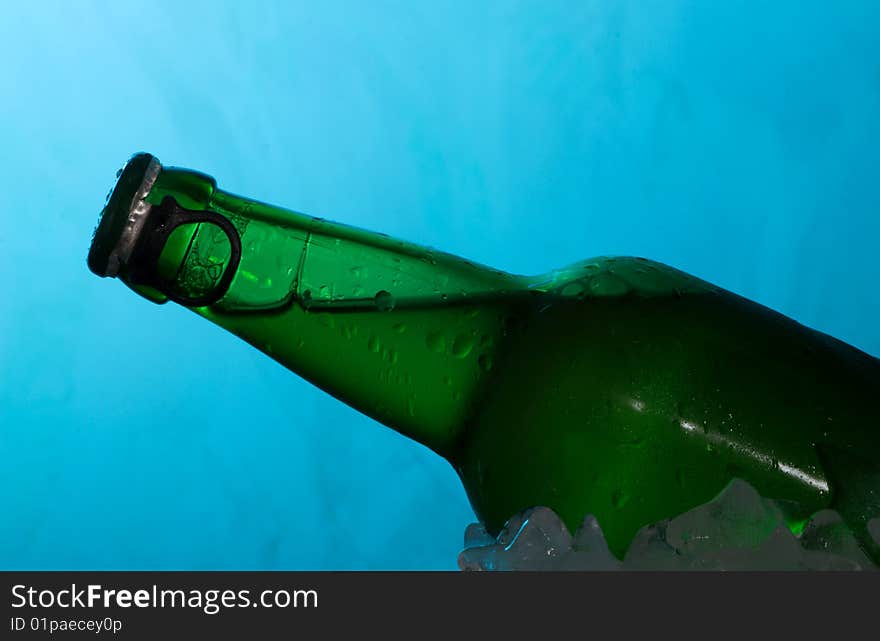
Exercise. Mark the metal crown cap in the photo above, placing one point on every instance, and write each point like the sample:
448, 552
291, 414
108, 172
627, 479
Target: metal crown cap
123, 216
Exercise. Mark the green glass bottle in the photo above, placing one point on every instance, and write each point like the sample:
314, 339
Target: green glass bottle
615, 386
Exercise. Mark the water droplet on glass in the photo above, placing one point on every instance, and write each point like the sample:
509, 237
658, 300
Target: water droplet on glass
462, 345
619, 498
436, 342
348, 330
485, 362
373, 344
400, 328
384, 301
573, 289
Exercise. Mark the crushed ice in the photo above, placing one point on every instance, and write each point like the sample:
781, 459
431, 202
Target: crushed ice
738, 530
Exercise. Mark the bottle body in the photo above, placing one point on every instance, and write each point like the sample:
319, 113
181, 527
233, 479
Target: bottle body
616, 386
639, 408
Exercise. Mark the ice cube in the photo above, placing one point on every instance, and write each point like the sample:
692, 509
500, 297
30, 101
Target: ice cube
874, 529
476, 536
650, 551
532, 540
589, 550
827, 533
738, 516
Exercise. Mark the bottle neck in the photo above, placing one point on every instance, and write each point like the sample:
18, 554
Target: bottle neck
400, 332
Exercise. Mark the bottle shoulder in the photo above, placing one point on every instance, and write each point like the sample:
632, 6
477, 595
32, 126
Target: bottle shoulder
613, 276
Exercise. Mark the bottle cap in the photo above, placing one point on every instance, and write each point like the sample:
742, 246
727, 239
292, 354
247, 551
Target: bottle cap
123, 216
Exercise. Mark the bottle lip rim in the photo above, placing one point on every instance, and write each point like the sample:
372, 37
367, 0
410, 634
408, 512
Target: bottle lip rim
123, 216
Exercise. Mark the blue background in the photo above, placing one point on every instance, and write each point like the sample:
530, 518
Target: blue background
737, 140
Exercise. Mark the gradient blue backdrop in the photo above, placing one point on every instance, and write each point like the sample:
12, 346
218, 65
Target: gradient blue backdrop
737, 140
